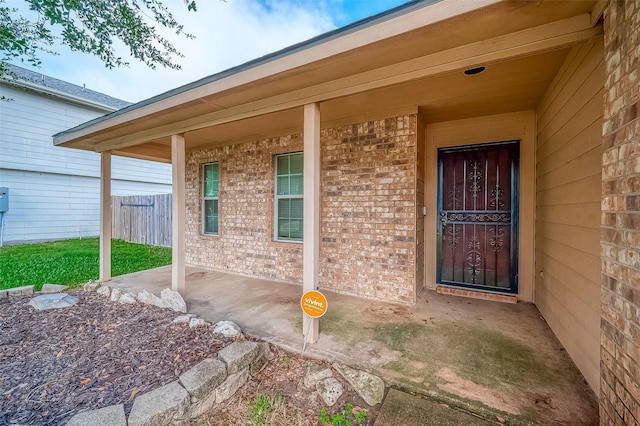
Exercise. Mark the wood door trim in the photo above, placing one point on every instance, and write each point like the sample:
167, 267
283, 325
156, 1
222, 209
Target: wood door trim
511, 126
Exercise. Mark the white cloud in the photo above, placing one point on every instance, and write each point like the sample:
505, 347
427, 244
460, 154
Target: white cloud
227, 34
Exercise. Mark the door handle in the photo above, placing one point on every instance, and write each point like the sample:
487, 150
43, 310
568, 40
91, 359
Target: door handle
443, 217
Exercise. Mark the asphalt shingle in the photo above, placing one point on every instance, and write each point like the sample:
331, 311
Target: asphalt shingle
33, 77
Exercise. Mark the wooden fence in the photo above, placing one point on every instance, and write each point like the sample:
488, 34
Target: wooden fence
144, 219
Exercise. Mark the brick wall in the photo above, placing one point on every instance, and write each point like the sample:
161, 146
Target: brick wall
245, 242
620, 323
368, 210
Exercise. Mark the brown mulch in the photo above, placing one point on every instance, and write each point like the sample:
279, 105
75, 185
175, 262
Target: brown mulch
56, 363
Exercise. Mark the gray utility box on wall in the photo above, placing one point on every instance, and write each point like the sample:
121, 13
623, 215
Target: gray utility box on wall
4, 200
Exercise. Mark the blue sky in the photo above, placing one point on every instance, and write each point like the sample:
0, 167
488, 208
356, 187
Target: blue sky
228, 33
352, 10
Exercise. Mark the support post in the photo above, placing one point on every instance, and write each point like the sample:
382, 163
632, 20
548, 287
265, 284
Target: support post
105, 216
311, 246
178, 207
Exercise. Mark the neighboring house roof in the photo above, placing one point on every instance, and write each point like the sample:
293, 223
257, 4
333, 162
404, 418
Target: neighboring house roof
52, 86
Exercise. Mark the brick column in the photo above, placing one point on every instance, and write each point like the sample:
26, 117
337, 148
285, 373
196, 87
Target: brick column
620, 322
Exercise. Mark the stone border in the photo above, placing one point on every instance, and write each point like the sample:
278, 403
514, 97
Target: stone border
212, 381
29, 290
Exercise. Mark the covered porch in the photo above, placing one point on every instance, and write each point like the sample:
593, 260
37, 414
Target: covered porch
487, 357
372, 107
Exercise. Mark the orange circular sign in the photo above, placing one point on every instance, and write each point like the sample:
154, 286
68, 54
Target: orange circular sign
314, 304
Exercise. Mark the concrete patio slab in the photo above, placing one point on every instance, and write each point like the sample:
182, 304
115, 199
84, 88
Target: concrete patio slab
403, 409
485, 357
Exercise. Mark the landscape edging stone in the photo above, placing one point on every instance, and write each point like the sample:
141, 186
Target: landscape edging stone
242, 357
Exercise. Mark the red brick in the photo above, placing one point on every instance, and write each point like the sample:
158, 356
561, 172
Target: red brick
368, 210
619, 396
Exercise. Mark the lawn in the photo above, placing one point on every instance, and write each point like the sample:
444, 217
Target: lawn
74, 261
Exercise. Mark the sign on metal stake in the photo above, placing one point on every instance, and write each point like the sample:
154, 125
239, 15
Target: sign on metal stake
314, 305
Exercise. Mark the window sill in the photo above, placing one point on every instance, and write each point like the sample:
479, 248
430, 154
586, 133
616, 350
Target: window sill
288, 242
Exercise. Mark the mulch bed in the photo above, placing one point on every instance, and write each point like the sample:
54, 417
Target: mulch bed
284, 376
56, 363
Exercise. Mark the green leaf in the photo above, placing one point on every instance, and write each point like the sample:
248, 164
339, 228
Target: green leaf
91, 26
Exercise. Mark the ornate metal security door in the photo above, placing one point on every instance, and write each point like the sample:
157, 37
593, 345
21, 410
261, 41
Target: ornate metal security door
477, 211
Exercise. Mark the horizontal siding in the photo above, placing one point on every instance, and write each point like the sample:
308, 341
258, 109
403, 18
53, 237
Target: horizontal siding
50, 206
572, 343
578, 214
27, 125
568, 194
54, 191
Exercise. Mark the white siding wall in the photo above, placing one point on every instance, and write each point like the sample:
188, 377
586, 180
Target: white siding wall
54, 191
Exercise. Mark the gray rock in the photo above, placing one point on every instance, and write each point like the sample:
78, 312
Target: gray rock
112, 416
368, 386
26, 290
160, 406
116, 294
204, 377
238, 355
172, 300
261, 360
201, 406
104, 290
329, 390
91, 285
127, 299
315, 373
227, 329
201, 381
183, 318
197, 322
150, 299
231, 385
52, 288
53, 301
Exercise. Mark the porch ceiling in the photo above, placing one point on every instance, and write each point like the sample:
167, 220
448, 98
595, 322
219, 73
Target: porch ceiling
522, 44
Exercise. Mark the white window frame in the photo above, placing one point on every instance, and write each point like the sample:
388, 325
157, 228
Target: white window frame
205, 198
278, 197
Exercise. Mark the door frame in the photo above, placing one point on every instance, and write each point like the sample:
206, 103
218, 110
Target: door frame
515, 208
483, 130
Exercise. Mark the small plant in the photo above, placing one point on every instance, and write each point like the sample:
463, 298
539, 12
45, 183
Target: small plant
262, 408
343, 418
286, 358
361, 417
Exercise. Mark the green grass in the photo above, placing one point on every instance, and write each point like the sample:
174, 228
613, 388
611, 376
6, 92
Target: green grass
76, 261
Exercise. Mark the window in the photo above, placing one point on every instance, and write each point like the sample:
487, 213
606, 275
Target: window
289, 197
210, 199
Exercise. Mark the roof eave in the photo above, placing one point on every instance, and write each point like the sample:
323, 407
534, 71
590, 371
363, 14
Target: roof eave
315, 49
48, 91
